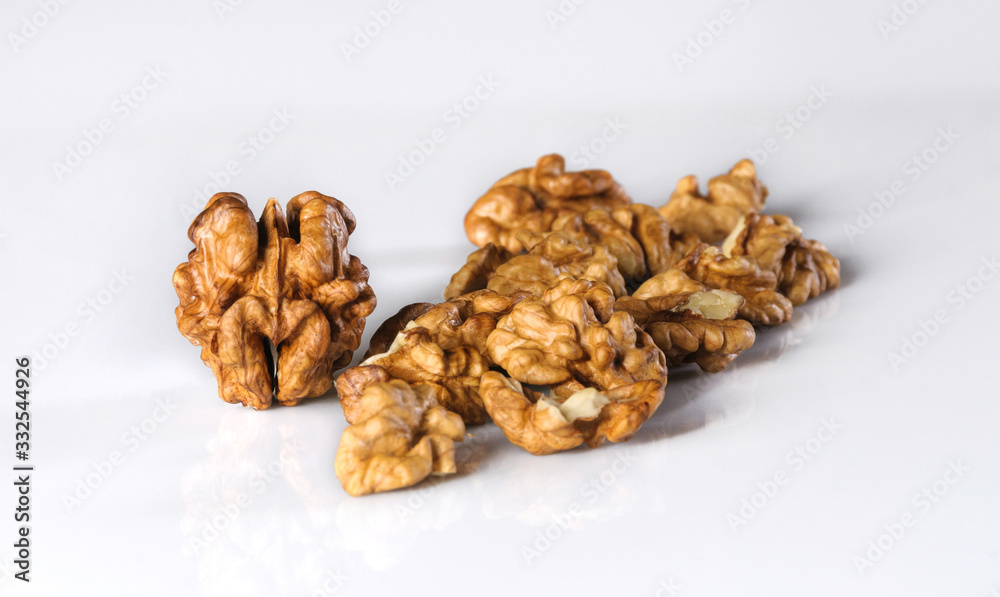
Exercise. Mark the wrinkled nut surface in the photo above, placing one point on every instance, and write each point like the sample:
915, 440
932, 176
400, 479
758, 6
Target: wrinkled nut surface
553, 256
443, 348
478, 270
399, 437
530, 199
669, 283
711, 217
570, 338
662, 245
763, 304
383, 338
697, 327
805, 269
598, 227
288, 284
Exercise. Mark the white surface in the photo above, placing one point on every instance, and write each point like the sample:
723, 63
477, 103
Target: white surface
663, 516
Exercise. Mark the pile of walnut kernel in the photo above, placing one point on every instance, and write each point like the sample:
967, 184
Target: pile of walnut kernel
577, 288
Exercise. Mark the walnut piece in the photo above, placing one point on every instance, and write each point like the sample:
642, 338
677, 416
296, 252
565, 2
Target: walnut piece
600, 228
284, 285
711, 217
570, 338
699, 327
387, 333
443, 348
805, 269
671, 282
478, 270
662, 245
399, 437
530, 199
741, 274
553, 256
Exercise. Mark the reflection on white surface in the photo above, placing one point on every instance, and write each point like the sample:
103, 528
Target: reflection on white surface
694, 399
255, 520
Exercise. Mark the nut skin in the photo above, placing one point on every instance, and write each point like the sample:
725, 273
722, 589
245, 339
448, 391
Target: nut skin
688, 337
661, 245
401, 435
571, 338
671, 282
290, 284
807, 271
711, 217
763, 304
477, 271
443, 348
598, 227
553, 256
805, 268
386, 333
515, 410
531, 199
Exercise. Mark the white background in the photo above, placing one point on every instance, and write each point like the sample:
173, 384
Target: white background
663, 521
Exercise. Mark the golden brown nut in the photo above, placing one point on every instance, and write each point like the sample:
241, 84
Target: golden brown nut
528, 419
804, 267
764, 305
399, 437
386, 333
711, 217
699, 327
661, 244
532, 198
477, 271
669, 283
444, 348
552, 256
570, 338
599, 227
807, 271
289, 286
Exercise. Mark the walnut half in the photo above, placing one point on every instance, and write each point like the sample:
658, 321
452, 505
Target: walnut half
287, 286
400, 437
